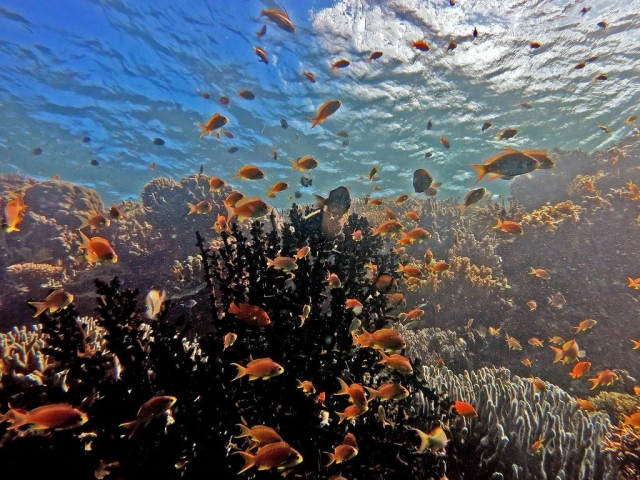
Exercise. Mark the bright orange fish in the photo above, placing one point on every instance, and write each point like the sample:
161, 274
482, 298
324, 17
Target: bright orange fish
55, 301
97, 249
604, 378
57, 416
327, 109
465, 409
580, 369
13, 214
153, 408
507, 226
279, 455
263, 368
216, 121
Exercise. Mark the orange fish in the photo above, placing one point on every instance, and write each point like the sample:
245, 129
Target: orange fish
280, 18
401, 199
334, 281
375, 55
390, 227
351, 412
153, 408
56, 416
247, 94
263, 368
414, 314
355, 392
510, 162
580, 369
307, 387
95, 221
97, 249
410, 270
340, 64
636, 390
261, 54
435, 441
634, 283
388, 391
250, 314
440, 266
465, 409
279, 455
539, 384
216, 121
354, 305
262, 32
585, 325
445, 143
396, 362
246, 208
215, 184
310, 76
13, 214
304, 163
55, 301
586, 405
259, 434
221, 224
633, 419
356, 236
604, 378
540, 273
536, 342
303, 252
229, 339
507, 226
636, 344
532, 304
512, 342
345, 451
412, 216
285, 264
327, 109
233, 198
201, 208
420, 45
277, 188
570, 352
249, 172
386, 339
526, 362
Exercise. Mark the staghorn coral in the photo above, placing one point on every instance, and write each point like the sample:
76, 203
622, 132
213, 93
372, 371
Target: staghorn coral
434, 346
615, 404
34, 275
21, 356
623, 443
512, 416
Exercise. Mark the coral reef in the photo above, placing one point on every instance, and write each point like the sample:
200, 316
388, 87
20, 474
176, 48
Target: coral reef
22, 361
513, 415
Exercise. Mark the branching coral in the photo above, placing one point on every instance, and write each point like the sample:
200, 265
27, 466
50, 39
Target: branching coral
21, 356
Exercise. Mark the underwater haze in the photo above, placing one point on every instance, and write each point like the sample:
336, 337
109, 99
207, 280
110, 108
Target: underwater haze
124, 73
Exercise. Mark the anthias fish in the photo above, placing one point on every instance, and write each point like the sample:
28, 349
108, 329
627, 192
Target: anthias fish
57, 416
327, 109
55, 301
152, 408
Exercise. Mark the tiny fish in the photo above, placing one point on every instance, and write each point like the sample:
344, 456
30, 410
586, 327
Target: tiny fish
261, 54
603, 24
342, 133
158, 141
275, 154
202, 208
540, 273
283, 123
580, 369
310, 76
224, 100
304, 163
429, 125
246, 94
56, 300
325, 110
507, 134
475, 32
249, 172
452, 46
535, 45
631, 119
93, 162
233, 150
153, 303
153, 408
36, 151
261, 33
86, 139
306, 181
585, 325
486, 125
601, 77
420, 45
375, 55
341, 64
445, 143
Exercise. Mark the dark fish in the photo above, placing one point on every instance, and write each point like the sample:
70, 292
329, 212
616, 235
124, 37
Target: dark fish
507, 134
157, 141
421, 180
37, 151
338, 202
206, 95
429, 125
224, 100
585, 10
452, 46
342, 133
94, 162
246, 94
486, 125
260, 33
233, 150
428, 154
201, 169
345, 143
591, 59
385, 283
297, 194
474, 196
535, 45
275, 154
306, 181
475, 32
284, 123
86, 139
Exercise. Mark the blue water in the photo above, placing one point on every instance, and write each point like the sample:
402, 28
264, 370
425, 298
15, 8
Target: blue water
125, 72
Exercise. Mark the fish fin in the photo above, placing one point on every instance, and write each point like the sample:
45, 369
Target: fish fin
192, 208
559, 354
40, 307
499, 224
315, 120
581, 353
294, 165
461, 207
344, 388
373, 394
249, 459
203, 131
332, 457
246, 431
400, 267
230, 213
85, 221
131, 427
595, 381
481, 171
86, 243
233, 308
241, 372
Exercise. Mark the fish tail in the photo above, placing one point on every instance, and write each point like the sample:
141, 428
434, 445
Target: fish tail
40, 307
270, 262
573, 375
595, 381
632, 283
373, 394
344, 388
461, 207
332, 457
294, 164
559, 354
581, 353
132, 427
385, 357
400, 267
481, 171
18, 419
315, 120
249, 461
242, 371
86, 243
246, 431
532, 271
192, 208
203, 130
85, 222
499, 224
233, 308
230, 213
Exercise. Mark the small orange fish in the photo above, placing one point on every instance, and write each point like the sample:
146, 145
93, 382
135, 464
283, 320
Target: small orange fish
56, 300
636, 344
634, 283
513, 343
340, 64
411, 215
56, 416
401, 199
304, 163
263, 368
586, 405
556, 340
526, 362
386, 339
13, 214
494, 331
224, 100
247, 208
388, 391
303, 252
507, 226
259, 434
279, 455
604, 378
229, 339
440, 266
570, 352
636, 390
585, 325
354, 305
532, 304
434, 441
310, 76
420, 45
535, 45
334, 281
633, 419
152, 408
325, 110
97, 249
351, 412
536, 342
216, 121
250, 314
373, 173
540, 273
343, 452
390, 227
539, 384
201, 208
285, 264
557, 300
580, 369
262, 32
261, 54
375, 55
356, 236
221, 224
445, 143
153, 166
216, 184
412, 315
537, 445
307, 387
280, 18
95, 221
396, 362
277, 188
465, 409
354, 391
247, 94
249, 172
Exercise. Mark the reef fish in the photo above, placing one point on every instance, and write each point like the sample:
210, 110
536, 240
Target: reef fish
385, 339
259, 434
345, 451
396, 362
201, 208
540, 273
279, 455
247, 94
215, 184
246, 208
250, 314
152, 408
580, 369
55, 301
326, 109
421, 180
434, 441
277, 188
310, 76
340, 64
280, 18
249, 172
585, 325
56, 416
13, 214
216, 121
304, 163
510, 163
95, 221
97, 249
153, 303
465, 409
507, 134
570, 352
507, 226
388, 391
354, 391
473, 197
604, 378
263, 368
420, 45
286, 264
261, 54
